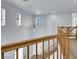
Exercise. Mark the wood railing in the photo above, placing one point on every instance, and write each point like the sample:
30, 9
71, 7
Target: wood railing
62, 42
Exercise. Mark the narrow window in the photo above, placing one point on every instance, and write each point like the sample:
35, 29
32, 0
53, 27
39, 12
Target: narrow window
3, 17
18, 19
36, 23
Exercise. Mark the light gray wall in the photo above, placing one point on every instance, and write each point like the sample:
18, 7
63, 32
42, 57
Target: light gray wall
11, 32
48, 23
58, 20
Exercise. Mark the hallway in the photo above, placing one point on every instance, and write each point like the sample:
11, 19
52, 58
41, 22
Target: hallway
26, 23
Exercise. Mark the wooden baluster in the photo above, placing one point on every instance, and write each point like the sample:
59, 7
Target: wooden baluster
63, 46
63, 54
76, 32
43, 51
27, 52
68, 44
59, 36
60, 44
57, 47
16, 53
48, 49
2, 55
53, 48
36, 51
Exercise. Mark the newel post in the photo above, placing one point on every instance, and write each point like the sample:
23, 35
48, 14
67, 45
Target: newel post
66, 38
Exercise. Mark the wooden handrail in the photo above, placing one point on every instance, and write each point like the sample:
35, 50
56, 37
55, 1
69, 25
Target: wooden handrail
24, 43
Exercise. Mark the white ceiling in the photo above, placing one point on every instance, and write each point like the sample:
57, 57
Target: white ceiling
46, 6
